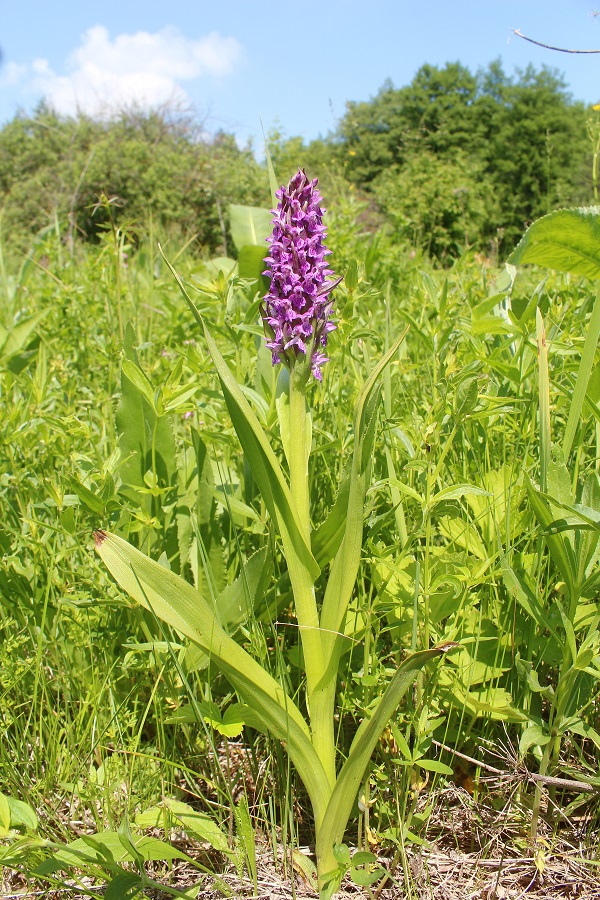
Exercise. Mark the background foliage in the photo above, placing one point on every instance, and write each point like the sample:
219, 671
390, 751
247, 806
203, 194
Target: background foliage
454, 159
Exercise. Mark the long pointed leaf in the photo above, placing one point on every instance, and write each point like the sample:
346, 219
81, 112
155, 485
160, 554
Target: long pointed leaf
560, 549
583, 376
342, 799
176, 602
345, 566
352, 772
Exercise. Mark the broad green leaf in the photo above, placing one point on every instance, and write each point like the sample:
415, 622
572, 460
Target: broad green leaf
368, 873
230, 725
236, 601
306, 867
199, 824
251, 265
342, 854
490, 325
177, 603
435, 765
567, 240
13, 340
483, 309
4, 814
93, 502
586, 731
22, 815
123, 886
140, 380
533, 736
107, 847
454, 492
250, 226
216, 265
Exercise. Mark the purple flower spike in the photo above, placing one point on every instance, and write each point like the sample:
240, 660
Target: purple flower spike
297, 309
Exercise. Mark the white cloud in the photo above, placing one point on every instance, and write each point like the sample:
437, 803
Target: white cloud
132, 69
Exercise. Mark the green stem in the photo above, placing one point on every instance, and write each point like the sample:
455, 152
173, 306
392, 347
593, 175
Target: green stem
299, 453
319, 697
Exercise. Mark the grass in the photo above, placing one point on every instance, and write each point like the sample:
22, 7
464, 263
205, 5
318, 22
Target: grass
106, 715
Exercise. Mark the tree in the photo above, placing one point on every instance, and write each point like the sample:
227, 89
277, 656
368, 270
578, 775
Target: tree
524, 135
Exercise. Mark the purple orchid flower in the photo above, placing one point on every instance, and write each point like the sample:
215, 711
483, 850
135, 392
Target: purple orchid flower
297, 310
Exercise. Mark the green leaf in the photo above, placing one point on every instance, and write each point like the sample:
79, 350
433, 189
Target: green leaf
140, 380
435, 765
93, 502
199, 824
265, 467
238, 599
342, 854
458, 490
345, 565
559, 548
352, 772
4, 814
251, 265
250, 226
145, 439
368, 875
526, 598
108, 847
304, 864
533, 736
22, 815
584, 730
177, 603
567, 240
123, 886
16, 338
583, 375
246, 835
326, 539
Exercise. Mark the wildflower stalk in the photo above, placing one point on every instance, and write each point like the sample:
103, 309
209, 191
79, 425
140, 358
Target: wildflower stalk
297, 319
303, 588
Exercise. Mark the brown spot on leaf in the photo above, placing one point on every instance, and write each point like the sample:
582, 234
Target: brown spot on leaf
99, 537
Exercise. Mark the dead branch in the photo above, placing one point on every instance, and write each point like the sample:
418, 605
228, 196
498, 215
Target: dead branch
567, 784
549, 46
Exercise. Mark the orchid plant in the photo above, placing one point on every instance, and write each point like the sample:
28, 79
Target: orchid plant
297, 318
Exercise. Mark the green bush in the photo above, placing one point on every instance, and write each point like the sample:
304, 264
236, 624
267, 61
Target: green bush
440, 206
150, 167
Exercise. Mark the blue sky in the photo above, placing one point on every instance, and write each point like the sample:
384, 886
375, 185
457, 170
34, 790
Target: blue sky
293, 64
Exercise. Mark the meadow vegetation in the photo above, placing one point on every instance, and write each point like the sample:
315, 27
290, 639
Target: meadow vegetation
127, 760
